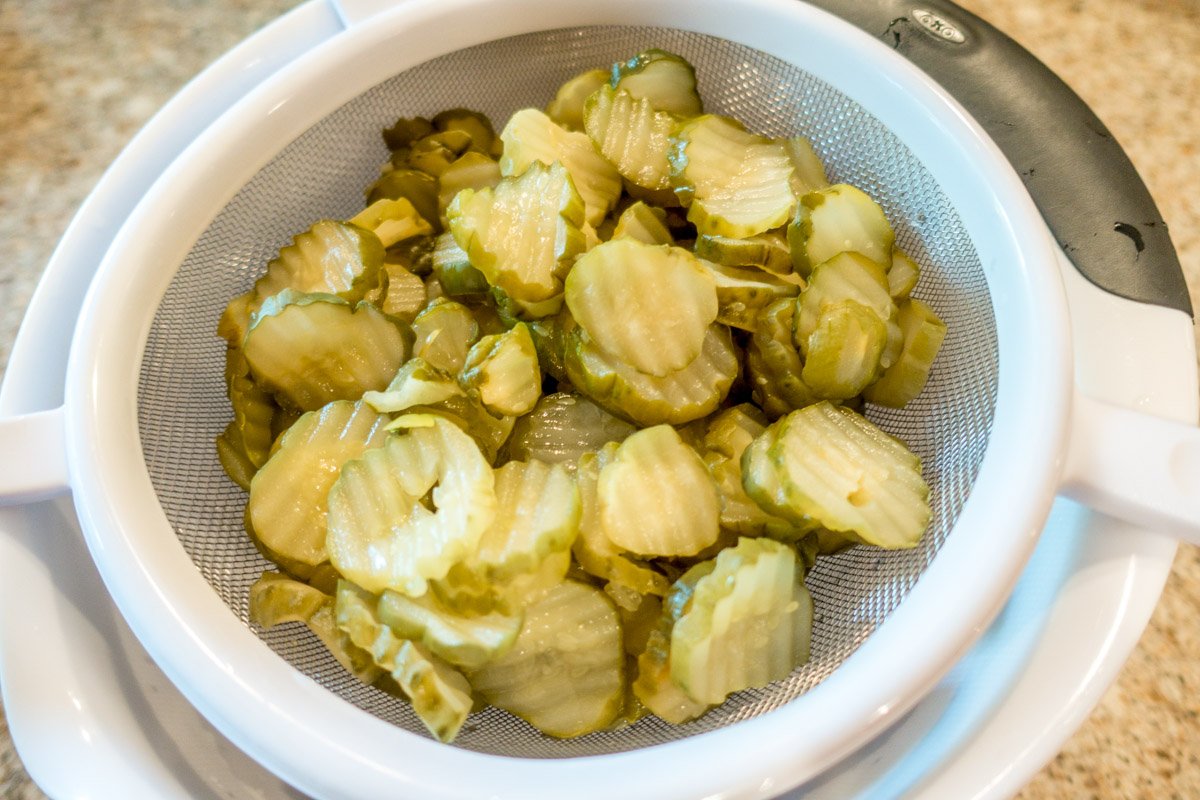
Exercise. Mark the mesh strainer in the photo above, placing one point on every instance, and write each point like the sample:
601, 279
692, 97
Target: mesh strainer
146, 396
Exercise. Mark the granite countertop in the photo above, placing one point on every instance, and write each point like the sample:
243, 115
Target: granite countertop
79, 78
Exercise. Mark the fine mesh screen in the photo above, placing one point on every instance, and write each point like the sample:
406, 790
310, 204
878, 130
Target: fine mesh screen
182, 404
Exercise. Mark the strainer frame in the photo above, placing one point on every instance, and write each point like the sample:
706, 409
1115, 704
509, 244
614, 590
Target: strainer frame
102, 387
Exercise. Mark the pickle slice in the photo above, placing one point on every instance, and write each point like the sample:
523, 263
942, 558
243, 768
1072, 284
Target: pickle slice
440, 695
653, 685
838, 219
844, 350
561, 428
418, 383
733, 182
644, 223
596, 553
445, 331
835, 466
381, 534
902, 275
567, 106
565, 675
392, 221
924, 332
848, 276
677, 398
648, 306
748, 623
530, 136
537, 514
312, 349
276, 599
656, 497
773, 365
524, 234
766, 251
632, 135
287, 506
465, 641
743, 294
502, 370
666, 80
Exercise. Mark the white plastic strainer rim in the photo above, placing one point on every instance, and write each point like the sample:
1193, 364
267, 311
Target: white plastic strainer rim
316, 740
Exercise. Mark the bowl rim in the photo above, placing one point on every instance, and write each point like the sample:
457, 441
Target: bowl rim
267, 708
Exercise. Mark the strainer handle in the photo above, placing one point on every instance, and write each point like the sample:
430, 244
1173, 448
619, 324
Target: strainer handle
33, 457
1081, 179
1135, 466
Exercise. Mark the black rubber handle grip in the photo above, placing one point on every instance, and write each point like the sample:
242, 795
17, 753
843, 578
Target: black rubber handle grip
1088, 191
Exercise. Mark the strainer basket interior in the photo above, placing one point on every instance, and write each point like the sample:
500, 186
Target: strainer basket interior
181, 394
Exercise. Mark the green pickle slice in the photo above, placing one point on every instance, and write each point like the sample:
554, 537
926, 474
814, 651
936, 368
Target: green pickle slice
565, 674
648, 306
524, 234
287, 506
748, 623
312, 349
440, 695
382, 535
676, 398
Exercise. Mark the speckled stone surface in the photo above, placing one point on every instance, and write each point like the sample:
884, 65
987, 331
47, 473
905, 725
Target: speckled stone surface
78, 78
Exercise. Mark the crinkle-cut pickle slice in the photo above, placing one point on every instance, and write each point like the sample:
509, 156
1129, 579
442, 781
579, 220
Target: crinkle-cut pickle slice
902, 382
561, 428
502, 371
524, 234
440, 695
287, 505
597, 554
567, 106
381, 533
644, 223
253, 411
677, 398
465, 641
276, 599
665, 79
653, 685
656, 497
743, 294
418, 383
565, 675
392, 221
747, 624
649, 306
836, 466
444, 332
530, 137
844, 350
838, 219
773, 365
734, 183
632, 135
766, 251
726, 438
537, 514
312, 349
848, 276
337, 258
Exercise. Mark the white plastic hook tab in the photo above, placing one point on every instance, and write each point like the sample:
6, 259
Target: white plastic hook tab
33, 457
1138, 467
